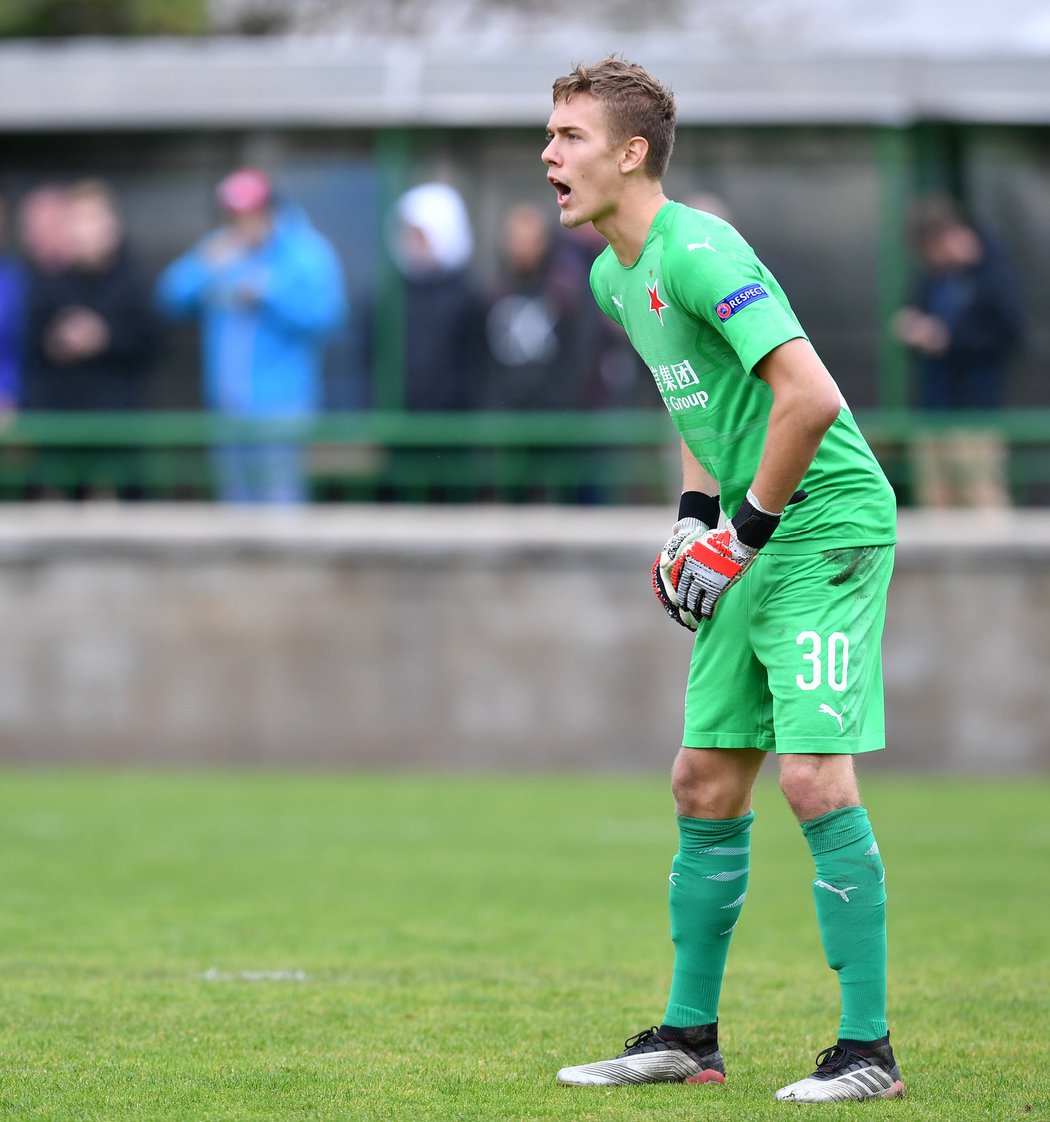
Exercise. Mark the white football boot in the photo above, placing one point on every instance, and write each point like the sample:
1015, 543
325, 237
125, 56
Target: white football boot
656, 1056
850, 1069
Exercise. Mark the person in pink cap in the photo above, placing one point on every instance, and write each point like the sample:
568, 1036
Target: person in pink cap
268, 291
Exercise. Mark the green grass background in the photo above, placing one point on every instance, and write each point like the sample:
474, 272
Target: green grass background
336, 946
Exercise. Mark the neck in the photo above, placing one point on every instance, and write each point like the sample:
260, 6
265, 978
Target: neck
627, 227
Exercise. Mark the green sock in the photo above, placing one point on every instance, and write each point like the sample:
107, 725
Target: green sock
708, 885
850, 895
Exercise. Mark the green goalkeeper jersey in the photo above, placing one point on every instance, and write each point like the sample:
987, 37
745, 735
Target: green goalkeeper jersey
702, 310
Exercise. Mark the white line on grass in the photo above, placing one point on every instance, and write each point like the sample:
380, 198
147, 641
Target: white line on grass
214, 974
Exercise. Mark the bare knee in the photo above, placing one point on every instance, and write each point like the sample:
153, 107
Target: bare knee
714, 782
815, 785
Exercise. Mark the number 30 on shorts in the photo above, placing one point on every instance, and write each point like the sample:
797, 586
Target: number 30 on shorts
828, 657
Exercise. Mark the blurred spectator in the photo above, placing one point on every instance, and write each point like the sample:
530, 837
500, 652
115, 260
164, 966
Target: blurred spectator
269, 292
42, 229
432, 244
965, 320
90, 330
710, 203
616, 377
538, 319
12, 310
964, 326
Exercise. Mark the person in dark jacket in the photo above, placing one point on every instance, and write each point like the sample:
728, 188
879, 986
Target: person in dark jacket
90, 336
964, 327
91, 331
538, 322
965, 322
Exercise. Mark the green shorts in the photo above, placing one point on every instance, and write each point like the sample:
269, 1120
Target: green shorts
792, 660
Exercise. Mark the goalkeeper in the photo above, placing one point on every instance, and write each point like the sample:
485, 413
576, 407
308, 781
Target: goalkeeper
787, 595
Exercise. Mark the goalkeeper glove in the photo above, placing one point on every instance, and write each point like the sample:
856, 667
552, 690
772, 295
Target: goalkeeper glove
697, 513
714, 561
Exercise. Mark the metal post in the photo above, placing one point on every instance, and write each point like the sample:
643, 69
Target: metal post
393, 149
894, 151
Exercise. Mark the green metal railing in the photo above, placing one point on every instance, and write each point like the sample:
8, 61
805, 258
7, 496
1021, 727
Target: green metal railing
590, 457
367, 456
1024, 433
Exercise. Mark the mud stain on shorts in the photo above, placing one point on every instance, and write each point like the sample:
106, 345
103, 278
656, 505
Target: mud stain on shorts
850, 563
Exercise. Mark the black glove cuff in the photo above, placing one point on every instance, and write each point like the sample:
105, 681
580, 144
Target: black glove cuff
695, 504
754, 527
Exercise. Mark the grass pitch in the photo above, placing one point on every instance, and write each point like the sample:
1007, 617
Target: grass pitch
288, 946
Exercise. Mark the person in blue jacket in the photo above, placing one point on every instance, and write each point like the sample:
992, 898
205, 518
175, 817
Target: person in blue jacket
12, 319
269, 292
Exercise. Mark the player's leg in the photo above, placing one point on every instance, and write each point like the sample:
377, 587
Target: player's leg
849, 893
849, 886
815, 785
708, 881
824, 659
709, 875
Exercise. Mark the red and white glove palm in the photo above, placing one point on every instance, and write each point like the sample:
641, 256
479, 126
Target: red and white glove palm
709, 566
684, 532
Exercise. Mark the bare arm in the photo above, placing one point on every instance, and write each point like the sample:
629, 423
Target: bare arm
694, 478
806, 402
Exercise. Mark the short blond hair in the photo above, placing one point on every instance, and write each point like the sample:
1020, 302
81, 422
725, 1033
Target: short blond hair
635, 104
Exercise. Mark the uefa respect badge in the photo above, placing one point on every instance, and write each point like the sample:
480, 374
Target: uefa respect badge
731, 304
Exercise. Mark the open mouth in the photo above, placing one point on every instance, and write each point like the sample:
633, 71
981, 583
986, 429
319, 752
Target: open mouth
563, 189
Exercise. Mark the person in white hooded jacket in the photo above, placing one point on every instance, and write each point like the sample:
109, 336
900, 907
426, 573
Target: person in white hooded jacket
432, 244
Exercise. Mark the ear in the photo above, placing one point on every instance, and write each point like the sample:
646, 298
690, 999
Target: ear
633, 154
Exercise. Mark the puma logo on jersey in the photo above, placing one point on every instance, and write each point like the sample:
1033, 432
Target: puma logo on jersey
831, 712
838, 891
701, 245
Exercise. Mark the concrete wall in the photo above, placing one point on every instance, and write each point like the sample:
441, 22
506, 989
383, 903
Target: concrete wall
483, 638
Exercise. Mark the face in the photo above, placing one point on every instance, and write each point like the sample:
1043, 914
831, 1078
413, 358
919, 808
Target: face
414, 251
582, 166
525, 236
954, 247
252, 226
42, 228
92, 230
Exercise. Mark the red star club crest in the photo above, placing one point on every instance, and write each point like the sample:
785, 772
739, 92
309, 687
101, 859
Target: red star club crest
655, 303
